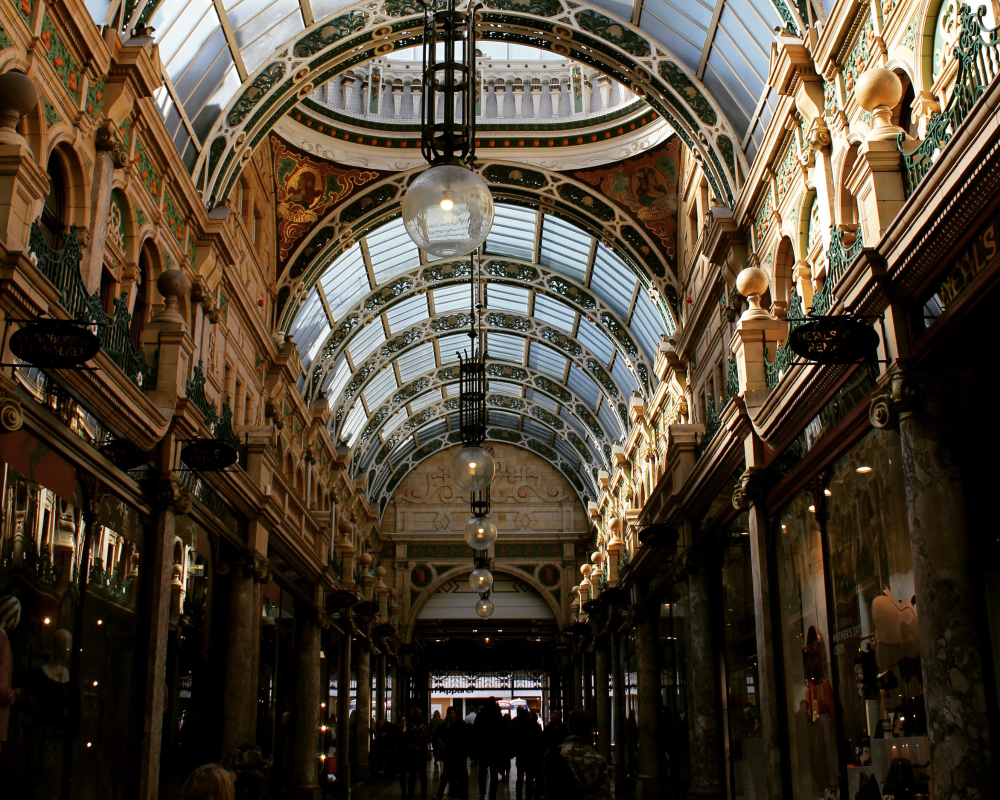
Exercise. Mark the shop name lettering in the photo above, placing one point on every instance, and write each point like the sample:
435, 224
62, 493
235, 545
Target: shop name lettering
975, 259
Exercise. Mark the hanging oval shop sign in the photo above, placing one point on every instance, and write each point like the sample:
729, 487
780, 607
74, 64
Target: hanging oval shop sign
209, 455
54, 344
834, 340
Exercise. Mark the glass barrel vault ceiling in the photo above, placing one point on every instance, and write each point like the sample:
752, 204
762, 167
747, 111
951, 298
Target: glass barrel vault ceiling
377, 423
210, 48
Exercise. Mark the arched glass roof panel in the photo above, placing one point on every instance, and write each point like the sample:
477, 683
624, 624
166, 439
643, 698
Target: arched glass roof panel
502, 418
505, 347
513, 232
500, 297
647, 325
611, 421
429, 399
451, 298
310, 328
555, 312
536, 429
541, 399
392, 251
355, 423
583, 386
366, 341
613, 281
595, 340
505, 387
547, 361
380, 388
416, 362
337, 379
451, 346
623, 377
397, 419
565, 248
258, 24
407, 313
345, 281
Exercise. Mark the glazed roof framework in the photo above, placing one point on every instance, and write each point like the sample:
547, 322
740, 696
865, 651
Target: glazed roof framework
233, 69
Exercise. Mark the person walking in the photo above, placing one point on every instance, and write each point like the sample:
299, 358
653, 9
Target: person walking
528, 743
435, 729
489, 739
455, 750
575, 770
555, 732
417, 745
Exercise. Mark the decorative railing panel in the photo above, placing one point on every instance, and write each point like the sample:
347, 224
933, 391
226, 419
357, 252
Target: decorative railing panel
784, 356
839, 258
978, 64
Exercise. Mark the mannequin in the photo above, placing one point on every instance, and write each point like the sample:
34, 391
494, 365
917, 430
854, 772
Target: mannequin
10, 615
58, 669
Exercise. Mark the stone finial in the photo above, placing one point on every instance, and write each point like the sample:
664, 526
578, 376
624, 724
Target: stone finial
752, 282
365, 559
597, 557
585, 570
171, 284
18, 96
878, 90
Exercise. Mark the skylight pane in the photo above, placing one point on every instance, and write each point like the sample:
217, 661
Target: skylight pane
567, 451
506, 298
452, 390
546, 360
355, 422
416, 362
613, 281
380, 388
337, 379
310, 328
407, 446
392, 251
574, 423
345, 281
371, 336
503, 387
648, 325
594, 339
565, 248
454, 420
513, 232
583, 386
541, 399
432, 431
502, 418
555, 312
407, 313
397, 419
610, 421
425, 400
505, 347
452, 298
623, 376
537, 429
451, 346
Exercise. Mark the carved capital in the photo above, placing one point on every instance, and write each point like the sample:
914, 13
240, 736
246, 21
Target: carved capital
749, 488
174, 495
109, 140
818, 135
255, 566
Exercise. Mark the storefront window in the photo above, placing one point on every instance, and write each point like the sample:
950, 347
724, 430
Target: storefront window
673, 721
876, 641
627, 739
746, 743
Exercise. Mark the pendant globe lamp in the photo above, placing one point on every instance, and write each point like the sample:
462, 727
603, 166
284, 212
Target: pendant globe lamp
480, 532
448, 209
484, 607
481, 580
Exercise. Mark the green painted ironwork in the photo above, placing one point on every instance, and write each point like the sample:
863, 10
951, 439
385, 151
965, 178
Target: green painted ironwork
62, 267
839, 258
732, 380
712, 425
112, 583
978, 64
784, 356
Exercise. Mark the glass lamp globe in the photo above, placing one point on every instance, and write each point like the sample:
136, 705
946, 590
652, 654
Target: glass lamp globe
484, 607
480, 533
448, 211
473, 468
481, 580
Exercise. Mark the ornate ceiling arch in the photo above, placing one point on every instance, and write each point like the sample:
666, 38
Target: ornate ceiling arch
498, 271
303, 55
375, 445
550, 192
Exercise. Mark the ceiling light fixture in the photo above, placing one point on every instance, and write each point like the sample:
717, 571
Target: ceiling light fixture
448, 209
863, 470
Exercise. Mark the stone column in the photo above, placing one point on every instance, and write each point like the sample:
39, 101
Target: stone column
536, 97
416, 95
555, 96
305, 766
364, 707
702, 694
239, 703
647, 651
618, 682
518, 89
602, 692
950, 657
23, 184
344, 708
604, 87
397, 96
110, 154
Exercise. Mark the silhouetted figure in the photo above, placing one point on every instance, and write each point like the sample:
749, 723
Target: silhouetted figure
416, 741
529, 745
454, 738
574, 770
555, 731
492, 747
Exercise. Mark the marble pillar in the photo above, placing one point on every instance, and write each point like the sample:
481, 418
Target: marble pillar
364, 707
344, 709
92, 263
239, 703
950, 657
702, 693
647, 651
305, 765
602, 694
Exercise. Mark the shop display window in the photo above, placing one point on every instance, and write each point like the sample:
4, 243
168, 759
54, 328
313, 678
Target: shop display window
276, 678
627, 738
743, 721
673, 721
849, 629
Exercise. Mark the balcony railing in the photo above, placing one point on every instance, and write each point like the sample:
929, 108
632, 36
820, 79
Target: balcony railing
220, 423
712, 425
978, 64
62, 267
784, 356
839, 258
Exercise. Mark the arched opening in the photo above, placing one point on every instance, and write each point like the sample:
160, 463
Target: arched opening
782, 269
848, 209
902, 112
140, 302
54, 211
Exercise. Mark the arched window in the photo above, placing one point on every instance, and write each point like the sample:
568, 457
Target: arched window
902, 113
54, 210
848, 203
784, 266
141, 304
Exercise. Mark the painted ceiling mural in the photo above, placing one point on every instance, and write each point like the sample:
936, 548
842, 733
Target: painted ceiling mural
646, 186
306, 189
